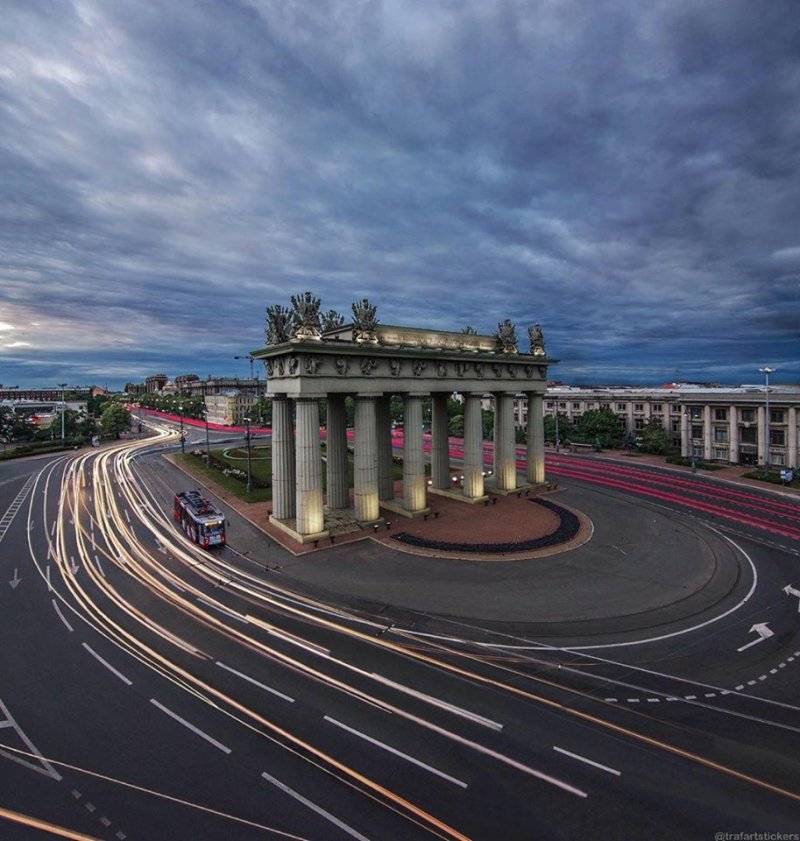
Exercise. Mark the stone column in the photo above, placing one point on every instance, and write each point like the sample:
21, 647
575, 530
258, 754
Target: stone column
413, 455
791, 434
762, 435
440, 446
283, 465
535, 439
338, 484
366, 461
733, 435
383, 432
505, 443
686, 440
708, 434
496, 435
309, 468
473, 447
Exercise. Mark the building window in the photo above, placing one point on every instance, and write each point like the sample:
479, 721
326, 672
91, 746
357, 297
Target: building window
748, 415
638, 407
697, 431
720, 454
747, 435
621, 407
676, 426
777, 437
695, 412
675, 409
777, 459
776, 416
551, 405
562, 405
638, 423
721, 414
657, 407
576, 405
721, 434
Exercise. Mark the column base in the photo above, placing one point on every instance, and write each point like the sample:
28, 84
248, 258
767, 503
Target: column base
289, 526
458, 495
398, 508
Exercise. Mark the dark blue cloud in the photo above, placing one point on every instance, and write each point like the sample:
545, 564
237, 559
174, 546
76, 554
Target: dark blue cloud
626, 175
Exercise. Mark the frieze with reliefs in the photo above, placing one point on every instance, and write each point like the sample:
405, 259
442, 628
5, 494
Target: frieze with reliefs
418, 367
441, 368
395, 366
368, 365
461, 368
294, 364
270, 368
281, 367
542, 371
529, 369
497, 369
313, 364
479, 373
342, 364
512, 372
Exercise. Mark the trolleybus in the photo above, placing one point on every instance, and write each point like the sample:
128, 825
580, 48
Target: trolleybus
202, 521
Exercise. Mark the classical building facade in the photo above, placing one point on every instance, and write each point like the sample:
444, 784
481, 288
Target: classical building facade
713, 423
372, 362
230, 408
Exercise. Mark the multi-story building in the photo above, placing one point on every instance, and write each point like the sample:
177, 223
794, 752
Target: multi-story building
715, 423
230, 408
155, 382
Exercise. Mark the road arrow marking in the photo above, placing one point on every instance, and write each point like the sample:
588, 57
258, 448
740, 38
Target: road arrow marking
790, 591
15, 580
763, 633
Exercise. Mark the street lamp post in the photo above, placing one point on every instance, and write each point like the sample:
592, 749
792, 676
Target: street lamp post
62, 386
557, 441
247, 438
766, 372
688, 416
208, 446
183, 440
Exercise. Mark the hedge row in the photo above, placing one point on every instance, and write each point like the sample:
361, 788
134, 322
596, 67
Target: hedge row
568, 527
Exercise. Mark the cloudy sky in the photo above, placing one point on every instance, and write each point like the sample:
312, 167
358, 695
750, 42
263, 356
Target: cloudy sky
627, 174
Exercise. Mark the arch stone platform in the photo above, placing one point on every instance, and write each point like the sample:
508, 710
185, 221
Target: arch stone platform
372, 362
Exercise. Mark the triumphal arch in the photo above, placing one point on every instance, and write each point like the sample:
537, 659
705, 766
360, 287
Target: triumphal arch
310, 357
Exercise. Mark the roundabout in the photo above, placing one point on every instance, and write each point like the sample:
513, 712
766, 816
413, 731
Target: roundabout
630, 570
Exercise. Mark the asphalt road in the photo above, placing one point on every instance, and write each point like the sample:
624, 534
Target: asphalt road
153, 690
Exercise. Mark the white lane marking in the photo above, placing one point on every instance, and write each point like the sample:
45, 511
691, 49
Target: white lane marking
52, 528
61, 615
588, 761
396, 752
255, 682
191, 727
313, 806
478, 719
127, 516
47, 576
106, 664
99, 566
46, 768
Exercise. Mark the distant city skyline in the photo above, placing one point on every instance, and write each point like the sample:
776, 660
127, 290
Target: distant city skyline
626, 175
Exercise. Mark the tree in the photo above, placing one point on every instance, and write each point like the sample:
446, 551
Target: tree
599, 426
115, 419
456, 426
566, 431
654, 438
